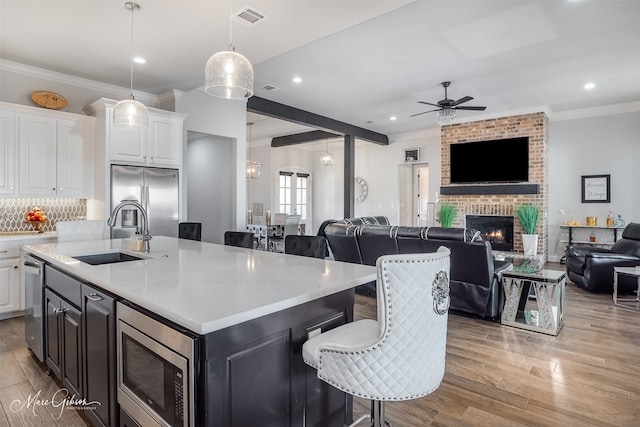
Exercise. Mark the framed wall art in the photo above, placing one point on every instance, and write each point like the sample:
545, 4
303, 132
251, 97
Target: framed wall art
412, 155
596, 188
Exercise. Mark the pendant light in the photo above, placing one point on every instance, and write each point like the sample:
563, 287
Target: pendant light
229, 74
253, 168
327, 158
129, 112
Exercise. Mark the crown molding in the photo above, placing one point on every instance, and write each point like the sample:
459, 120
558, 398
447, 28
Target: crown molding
116, 91
602, 110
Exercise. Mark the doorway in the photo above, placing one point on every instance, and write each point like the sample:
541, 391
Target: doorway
415, 207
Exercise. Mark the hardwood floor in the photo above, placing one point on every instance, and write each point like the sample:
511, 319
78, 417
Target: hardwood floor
495, 375
589, 375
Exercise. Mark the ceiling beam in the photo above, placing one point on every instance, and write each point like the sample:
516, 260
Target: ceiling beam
276, 110
301, 138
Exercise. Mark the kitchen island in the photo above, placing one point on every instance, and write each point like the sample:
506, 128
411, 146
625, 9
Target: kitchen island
249, 311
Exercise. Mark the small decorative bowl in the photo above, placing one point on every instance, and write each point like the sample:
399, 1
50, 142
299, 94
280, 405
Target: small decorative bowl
36, 224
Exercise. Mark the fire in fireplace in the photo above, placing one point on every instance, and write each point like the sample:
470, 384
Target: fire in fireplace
497, 229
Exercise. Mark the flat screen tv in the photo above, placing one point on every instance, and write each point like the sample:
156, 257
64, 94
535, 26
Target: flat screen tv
494, 161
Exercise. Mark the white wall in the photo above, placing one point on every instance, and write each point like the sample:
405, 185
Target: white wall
223, 118
207, 172
378, 165
605, 145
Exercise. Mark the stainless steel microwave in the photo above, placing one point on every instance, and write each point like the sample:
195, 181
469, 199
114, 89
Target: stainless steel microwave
156, 370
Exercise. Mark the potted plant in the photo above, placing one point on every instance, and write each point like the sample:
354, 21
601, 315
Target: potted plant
447, 214
528, 216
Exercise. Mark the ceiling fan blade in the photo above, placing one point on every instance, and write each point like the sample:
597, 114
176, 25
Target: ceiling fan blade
428, 103
425, 112
461, 100
470, 108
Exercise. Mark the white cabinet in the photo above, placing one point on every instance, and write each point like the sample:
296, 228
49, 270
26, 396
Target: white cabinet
74, 172
55, 156
8, 143
9, 285
126, 145
37, 155
160, 145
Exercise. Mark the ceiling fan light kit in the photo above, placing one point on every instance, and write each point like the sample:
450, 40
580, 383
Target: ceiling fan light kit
129, 112
229, 74
446, 111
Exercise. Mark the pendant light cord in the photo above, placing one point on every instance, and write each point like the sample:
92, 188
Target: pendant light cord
231, 48
131, 51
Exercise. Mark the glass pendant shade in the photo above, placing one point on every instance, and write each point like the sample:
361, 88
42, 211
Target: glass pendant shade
326, 159
229, 75
131, 113
253, 169
446, 116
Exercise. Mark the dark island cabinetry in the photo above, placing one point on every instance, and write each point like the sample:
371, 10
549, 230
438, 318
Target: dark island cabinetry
253, 372
80, 343
99, 355
63, 339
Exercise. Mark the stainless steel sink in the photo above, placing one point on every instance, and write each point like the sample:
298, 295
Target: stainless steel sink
106, 258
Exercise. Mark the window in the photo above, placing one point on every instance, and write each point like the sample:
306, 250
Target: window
294, 194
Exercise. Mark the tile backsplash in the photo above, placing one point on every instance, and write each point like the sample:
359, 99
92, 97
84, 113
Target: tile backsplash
13, 211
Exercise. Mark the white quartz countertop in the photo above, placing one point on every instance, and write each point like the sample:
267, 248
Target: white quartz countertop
206, 287
7, 236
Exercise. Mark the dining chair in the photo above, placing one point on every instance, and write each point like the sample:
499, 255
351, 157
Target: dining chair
190, 230
310, 246
241, 239
291, 224
401, 355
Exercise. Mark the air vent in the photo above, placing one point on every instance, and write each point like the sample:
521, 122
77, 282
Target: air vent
270, 87
249, 17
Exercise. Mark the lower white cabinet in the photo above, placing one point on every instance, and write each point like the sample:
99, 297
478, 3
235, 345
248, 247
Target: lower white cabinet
9, 285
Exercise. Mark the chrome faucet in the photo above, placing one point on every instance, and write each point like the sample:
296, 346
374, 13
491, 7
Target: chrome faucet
145, 220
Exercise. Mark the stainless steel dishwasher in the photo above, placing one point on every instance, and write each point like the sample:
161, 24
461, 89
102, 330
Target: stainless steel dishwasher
34, 318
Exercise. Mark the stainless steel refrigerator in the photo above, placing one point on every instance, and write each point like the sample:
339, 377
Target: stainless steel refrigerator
154, 188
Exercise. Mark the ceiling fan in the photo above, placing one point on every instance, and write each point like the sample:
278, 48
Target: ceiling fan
446, 107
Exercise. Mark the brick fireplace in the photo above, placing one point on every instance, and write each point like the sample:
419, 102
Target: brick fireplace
489, 200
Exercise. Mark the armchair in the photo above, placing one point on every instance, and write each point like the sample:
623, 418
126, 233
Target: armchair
592, 268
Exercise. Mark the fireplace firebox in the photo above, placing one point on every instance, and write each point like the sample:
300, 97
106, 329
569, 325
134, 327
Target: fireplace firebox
497, 229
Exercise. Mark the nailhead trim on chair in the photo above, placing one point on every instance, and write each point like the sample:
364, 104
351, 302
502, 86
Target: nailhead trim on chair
385, 276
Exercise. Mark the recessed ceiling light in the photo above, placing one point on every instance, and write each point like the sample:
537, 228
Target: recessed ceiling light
297, 79
392, 118
589, 85
139, 60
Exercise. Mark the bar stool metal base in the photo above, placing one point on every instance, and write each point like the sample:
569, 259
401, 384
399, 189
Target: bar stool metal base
376, 416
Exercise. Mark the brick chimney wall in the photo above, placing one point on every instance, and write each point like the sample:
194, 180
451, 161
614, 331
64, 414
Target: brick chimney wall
535, 126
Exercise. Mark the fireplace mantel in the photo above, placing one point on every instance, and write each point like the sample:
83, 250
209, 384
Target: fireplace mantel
489, 189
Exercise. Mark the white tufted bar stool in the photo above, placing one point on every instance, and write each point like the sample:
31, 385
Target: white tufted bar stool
401, 356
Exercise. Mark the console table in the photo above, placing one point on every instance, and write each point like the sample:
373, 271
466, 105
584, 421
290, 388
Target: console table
261, 231
542, 311
571, 240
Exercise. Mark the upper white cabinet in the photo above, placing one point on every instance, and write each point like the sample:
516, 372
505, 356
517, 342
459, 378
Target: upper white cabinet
8, 144
55, 155
160, 145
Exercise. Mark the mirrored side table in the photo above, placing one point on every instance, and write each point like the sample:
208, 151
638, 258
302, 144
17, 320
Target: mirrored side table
534, 300
631, 303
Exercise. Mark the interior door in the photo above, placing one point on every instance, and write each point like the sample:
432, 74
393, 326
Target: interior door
421, 195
